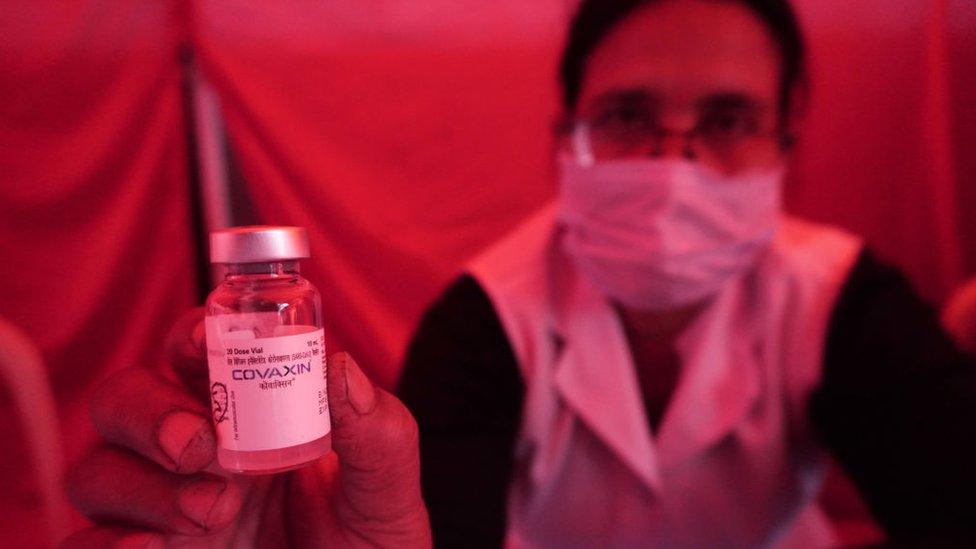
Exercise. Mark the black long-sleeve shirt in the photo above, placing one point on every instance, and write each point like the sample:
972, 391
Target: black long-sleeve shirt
896, 407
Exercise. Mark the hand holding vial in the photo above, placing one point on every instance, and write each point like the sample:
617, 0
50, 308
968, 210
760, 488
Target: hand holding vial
155, 480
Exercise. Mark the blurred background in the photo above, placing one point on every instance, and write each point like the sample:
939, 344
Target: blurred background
405, 136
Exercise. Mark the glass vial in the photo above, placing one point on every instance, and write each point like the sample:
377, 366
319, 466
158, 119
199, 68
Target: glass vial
266, 353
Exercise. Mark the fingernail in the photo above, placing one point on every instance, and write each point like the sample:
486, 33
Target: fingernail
359, 389
207, 503
187, 439
199, 338
144, 540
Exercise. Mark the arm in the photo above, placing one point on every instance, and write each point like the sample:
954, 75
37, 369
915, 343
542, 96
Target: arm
897, 407
462, 383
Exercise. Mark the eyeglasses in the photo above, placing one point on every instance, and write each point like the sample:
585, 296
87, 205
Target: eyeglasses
728, 141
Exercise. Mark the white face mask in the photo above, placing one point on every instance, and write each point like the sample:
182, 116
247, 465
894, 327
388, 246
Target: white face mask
658, 234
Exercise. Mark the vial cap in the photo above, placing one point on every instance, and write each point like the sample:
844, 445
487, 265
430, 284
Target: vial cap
258, 243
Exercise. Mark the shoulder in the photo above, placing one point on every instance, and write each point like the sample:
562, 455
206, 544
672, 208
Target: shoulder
798, 282
463, 299
461, 325
880, 324
517, 275
814, 251
871, 278
460, 359
516, 264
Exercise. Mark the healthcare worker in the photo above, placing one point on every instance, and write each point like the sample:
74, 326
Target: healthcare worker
661, 357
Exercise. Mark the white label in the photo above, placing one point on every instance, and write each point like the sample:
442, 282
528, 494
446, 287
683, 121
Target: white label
266, 392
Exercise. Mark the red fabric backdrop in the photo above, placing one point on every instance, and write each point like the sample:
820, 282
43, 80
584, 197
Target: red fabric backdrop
406, 136
884, 146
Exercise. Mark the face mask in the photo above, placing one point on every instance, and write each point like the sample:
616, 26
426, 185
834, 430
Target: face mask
658, 234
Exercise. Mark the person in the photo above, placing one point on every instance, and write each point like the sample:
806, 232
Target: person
658, 358
155, 483
661, 357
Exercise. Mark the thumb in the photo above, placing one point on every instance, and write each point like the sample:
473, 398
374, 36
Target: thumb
186, 352
376, 440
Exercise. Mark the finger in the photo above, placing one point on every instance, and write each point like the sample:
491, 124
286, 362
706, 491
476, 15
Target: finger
375, 438
186, 351
142, 411
115, 485
97, 537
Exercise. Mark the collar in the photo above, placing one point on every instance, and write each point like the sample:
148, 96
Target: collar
595, 376
720, 378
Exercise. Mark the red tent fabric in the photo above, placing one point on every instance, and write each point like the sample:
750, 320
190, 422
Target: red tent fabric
886, 141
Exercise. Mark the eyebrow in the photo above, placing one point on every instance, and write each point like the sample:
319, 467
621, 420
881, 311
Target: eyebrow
729, 100
626, 97
732, 101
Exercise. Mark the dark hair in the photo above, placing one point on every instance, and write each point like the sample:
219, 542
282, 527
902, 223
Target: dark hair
596, 18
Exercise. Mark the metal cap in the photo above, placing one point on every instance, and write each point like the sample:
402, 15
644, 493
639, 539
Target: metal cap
258, 243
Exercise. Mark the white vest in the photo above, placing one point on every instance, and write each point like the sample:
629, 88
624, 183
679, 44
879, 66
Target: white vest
735, 463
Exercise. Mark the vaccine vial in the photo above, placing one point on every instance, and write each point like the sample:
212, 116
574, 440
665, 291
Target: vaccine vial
266, 352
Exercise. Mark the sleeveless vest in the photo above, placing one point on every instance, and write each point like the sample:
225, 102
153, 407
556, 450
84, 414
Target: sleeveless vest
734, 463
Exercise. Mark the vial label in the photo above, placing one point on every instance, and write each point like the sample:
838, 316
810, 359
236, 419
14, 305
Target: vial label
266, 393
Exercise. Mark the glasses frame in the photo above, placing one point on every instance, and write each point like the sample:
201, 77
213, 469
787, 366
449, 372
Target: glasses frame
578, 132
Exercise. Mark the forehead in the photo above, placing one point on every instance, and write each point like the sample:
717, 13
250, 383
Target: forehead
682, 51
